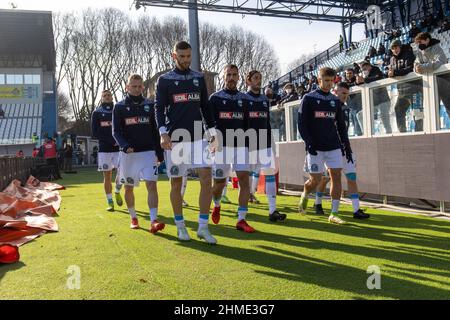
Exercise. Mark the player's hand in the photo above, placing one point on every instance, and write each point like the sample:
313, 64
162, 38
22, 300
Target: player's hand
348, 153
213, 144
419, 69
391, 73
359, 80
311, 150
129, 150
166, 142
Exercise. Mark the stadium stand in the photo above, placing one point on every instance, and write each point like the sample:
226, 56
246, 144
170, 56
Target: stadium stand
27, 79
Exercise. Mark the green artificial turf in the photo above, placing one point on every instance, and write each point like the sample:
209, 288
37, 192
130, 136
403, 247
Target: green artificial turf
301, 258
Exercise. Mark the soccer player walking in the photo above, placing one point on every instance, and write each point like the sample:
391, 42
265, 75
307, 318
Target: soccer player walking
230, 112
261, 155
108, 153
181, 113
319, 115
134, 129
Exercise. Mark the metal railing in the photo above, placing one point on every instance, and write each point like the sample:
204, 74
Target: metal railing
15, 168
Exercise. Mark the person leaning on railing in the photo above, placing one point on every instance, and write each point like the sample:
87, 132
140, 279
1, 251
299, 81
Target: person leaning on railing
429, 57
402, 63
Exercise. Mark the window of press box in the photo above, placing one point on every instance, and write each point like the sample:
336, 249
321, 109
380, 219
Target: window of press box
293, 114
32, 79
443, 106
277, 123
2, 78
397, 107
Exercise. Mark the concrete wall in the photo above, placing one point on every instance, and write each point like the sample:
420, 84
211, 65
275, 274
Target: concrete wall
411, 166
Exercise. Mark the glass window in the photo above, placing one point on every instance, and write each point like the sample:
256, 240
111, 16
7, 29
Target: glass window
397, 107
18, 79
354, 115
277, 122
2, 78
36, 79
293, 113
443, 85
28, 79
10, 79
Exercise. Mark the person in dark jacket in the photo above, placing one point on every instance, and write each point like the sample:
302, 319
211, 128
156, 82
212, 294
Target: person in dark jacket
68, 156
107, 153
354, 102
381, 50
414, 31
134, 129
381, 101
372, 52
290, 94
402, 63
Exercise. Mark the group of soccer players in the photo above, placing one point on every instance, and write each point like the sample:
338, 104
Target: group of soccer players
228, 131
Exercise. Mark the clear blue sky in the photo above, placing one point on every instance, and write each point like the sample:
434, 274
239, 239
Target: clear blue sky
290, 38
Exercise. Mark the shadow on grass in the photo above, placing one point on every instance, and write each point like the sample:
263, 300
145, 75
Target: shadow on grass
5, 268
300, 268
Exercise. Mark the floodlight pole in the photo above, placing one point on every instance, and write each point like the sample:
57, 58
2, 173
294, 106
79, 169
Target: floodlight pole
194, 35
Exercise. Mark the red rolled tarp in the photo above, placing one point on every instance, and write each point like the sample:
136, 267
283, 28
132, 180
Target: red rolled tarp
25, 214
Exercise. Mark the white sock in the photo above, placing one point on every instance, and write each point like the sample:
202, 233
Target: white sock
217, 202
355, 201
109, 197
242, 213
179, 220
203, 220
183, 186
319, 196
153, 214
132, 212
255, 179
335, 206
271, 193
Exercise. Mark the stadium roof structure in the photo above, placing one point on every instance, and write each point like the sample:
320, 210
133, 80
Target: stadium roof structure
25, 33
318, 10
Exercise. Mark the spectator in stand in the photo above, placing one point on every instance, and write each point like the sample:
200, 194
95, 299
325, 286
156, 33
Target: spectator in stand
273, 98
338, 77
402, 63
372, 52
35, 152
414, 31
430, 57
356, 68
354, 102
341, 43
381, 50
312, 84
301, 90
289, 94
2, 112
381, 101
68, 158
445, 26
19, 154
50, 154
311, 68
350, 77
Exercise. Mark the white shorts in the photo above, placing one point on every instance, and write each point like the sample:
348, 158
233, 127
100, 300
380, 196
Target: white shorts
347, 167
136, 166
187, 155
229, 159
263, 160
108, 161
324, 159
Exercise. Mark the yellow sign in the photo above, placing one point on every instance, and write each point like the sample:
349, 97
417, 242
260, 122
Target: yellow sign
10, 92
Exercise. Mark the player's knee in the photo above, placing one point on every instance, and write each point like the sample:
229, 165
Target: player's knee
351, 176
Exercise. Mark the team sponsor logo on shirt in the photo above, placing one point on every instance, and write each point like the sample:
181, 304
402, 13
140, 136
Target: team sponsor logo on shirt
136, 120
257, 114
324, 115
105, 123
231, 115
195, 81
186, 97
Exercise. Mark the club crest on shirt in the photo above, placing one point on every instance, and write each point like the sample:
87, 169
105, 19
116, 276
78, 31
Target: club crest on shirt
318, 101
265, 104
224, 102
333, 103
147, 108
240, 103
176, 83
195, 81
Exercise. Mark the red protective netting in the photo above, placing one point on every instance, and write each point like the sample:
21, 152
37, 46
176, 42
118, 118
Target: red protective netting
25, 214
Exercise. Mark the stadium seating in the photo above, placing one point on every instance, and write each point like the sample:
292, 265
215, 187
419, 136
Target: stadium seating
20, 122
